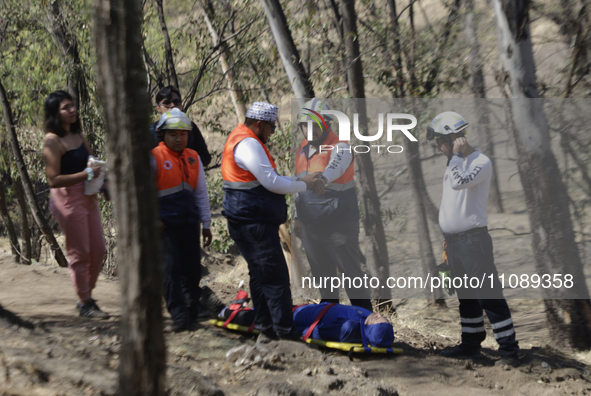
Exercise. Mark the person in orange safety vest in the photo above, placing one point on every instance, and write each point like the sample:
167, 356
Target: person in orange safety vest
328, 224
254, 204
183, 206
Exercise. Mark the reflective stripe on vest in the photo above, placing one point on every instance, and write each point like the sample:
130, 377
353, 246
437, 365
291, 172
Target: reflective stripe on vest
241, 185
234, 176
319, 161
175, 189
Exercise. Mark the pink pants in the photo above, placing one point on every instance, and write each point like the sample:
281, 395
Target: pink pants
79, 218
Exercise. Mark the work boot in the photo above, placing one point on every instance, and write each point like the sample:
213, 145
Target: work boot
202, 312
266, 337
178, 326
511, 360
461, 350
91, 310
209, 300
293, 335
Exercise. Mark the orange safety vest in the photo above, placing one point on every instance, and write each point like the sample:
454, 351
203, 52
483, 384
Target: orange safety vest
234, 176
319, 161
175, 172
246, 199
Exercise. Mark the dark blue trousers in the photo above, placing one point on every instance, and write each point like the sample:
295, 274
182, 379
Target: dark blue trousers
260, 245
182, 271
332, 246
473, 257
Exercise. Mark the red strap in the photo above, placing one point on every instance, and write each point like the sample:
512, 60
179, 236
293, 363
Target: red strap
296, 307
313, 325
251, 328
232, 316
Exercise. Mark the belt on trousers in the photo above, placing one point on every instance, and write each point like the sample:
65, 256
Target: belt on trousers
462, 236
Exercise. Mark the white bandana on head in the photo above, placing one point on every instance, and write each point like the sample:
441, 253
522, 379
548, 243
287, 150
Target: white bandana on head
262, 111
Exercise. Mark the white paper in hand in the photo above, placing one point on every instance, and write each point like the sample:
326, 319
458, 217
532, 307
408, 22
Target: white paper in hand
93, 186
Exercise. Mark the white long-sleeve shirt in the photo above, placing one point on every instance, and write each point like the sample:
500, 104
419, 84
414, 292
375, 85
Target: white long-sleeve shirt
250, 155
466, 183
202, 198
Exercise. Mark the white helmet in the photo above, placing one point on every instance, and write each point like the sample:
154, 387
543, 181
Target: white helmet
314, 105
446, 123
174, 119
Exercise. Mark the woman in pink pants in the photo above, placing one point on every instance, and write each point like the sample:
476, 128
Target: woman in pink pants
66, 154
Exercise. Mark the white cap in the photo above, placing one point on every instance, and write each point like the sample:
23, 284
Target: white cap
263, 112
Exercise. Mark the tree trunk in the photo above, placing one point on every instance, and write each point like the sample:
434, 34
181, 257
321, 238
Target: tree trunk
20, 164
432, 75
25, 230
69, 48
14, 245
396, 53
170, 69
122, 86
428, 262
479, 91
547, 202
378, 261
294, 67
227, 63
581, 47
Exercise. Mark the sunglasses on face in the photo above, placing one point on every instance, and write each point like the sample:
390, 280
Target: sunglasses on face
168, 102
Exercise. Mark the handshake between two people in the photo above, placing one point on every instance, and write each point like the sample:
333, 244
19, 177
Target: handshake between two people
315, 182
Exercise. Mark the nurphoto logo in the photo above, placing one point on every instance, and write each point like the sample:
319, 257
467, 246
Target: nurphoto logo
392, 125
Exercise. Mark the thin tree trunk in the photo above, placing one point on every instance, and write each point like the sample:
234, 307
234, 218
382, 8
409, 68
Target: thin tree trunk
424, 209
479, 91
428, 262
25, 230
170, 69
122, 86
294, 67
547, 201
396, 53
431, 81
226, 61
20, 164
565, 142
14, 245
378, 261
69, 48
581, 47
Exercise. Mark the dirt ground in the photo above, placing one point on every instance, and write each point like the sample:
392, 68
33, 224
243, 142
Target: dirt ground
54, 352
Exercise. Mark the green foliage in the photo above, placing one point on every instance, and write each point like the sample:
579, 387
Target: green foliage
32, 65
222, 242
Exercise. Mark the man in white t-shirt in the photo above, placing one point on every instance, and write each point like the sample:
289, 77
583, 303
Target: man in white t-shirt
463, 220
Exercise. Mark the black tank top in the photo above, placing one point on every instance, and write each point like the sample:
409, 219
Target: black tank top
74, 161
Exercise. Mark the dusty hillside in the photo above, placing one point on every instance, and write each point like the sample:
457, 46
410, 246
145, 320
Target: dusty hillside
67, 355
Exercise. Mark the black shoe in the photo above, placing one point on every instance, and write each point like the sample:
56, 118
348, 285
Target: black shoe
178, 327
460, 350
209, 300
290, 337
512, 360
203, 312
91, 310
266, 337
